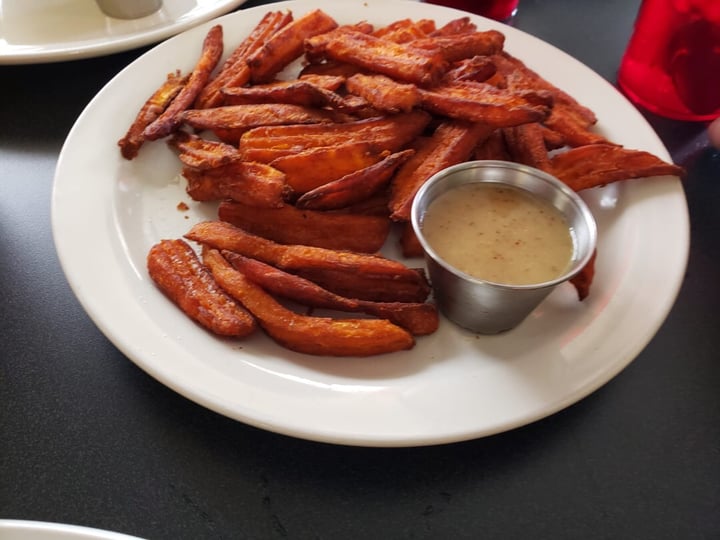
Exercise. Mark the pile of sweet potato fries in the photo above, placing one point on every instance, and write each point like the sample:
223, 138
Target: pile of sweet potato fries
311, 173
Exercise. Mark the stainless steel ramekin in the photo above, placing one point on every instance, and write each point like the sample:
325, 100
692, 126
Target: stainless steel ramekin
483, 306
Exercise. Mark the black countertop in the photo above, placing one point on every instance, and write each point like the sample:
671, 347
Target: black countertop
88, 438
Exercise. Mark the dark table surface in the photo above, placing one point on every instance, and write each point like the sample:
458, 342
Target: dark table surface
88, 438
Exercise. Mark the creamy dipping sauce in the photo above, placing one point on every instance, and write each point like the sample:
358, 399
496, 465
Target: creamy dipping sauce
499, 233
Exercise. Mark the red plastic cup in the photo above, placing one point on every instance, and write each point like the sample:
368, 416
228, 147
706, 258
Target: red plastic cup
672, 63
500, 10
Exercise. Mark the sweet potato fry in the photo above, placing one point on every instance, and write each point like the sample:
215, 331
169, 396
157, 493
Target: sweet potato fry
296, 92
451, 143
310, 169
480, 102
568, 116
553, 139
477, 68
177, 271
526, 145
461, 46
301, 333
354, 275
169, 120
159, 101
354, 187
397, 60
406, 30
252, 184
332, 161
309, 163
573, 127
316, 55
384, 93
235, 71
521, 77
200, 153
311, 158
583, 280
402, 127
462, 25
493, 147
286, 45
409, 243
596, 165
281, 283
290, 225
417, 318
244, 117
365, 287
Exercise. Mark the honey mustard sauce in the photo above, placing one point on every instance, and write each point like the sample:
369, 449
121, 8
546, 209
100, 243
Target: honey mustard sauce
499, 233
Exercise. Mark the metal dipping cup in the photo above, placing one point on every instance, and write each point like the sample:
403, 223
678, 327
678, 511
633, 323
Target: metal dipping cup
486, 307
129, 9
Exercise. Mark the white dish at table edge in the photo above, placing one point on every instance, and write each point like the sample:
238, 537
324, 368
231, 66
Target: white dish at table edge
17, 529
453, 385
80, 30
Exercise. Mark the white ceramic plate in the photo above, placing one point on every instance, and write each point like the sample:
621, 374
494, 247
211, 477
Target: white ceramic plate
34, 31
11, 529
452, 386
